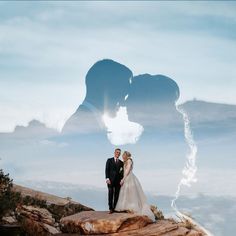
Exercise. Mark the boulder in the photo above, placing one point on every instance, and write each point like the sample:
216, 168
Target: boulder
35, 213
58, 206
36, 221
164, 227
161, 227
195, 233
11, 220
124, 224
100, 222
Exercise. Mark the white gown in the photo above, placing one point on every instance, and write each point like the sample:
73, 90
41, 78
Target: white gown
132, 197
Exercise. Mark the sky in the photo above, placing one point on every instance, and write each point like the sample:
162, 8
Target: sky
46, 49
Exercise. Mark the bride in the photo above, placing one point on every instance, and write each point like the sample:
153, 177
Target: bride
132, 197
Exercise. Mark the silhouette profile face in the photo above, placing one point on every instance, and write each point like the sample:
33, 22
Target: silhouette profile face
151, 97
107, 84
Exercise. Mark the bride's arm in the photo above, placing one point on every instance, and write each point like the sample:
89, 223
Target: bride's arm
127, 171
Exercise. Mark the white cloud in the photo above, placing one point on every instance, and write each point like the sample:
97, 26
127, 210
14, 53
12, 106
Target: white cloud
120, 130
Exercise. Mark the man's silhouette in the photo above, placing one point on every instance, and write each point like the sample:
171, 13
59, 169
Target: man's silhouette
107, 84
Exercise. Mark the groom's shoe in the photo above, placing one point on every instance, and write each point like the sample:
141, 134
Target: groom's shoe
111, 211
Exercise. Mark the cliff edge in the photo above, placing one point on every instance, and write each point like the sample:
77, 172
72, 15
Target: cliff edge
40, 213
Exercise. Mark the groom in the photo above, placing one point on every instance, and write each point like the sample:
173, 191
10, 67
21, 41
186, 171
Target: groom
114, 174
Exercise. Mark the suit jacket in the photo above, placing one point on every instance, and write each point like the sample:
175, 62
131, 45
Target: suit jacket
114, 171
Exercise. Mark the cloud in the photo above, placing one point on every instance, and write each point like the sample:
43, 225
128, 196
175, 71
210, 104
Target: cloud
52, 143
120, 130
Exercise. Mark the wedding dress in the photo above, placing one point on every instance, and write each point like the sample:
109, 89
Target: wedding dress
132, 197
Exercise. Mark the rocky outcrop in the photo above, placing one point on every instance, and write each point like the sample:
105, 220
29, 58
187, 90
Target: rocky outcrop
11, 220
125, 224
58, 206
163, 228
40, 214
100, 222
37, 221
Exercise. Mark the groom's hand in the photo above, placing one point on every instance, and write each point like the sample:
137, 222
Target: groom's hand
108, 181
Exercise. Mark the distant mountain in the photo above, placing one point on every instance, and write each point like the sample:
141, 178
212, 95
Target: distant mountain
202, 111
210, 119
35, 129
206, 118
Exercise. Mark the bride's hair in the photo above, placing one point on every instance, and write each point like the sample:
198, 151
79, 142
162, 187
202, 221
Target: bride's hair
128, 154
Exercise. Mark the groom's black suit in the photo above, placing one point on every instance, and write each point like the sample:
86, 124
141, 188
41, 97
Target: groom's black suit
114, 172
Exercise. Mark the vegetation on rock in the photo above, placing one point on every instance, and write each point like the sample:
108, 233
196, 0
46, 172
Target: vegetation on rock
157, 213
8, 198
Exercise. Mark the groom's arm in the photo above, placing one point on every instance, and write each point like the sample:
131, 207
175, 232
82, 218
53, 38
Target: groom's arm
107, 171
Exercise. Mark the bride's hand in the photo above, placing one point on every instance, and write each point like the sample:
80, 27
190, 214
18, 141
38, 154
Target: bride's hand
122, 182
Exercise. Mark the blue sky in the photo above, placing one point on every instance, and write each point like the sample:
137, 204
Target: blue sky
46, 48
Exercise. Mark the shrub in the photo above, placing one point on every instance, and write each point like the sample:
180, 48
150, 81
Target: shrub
157, 213
8, 199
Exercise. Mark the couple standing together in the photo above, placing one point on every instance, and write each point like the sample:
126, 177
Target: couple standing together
124, 189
